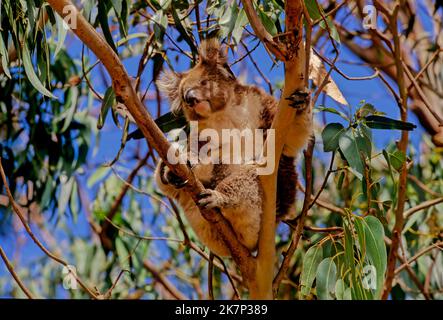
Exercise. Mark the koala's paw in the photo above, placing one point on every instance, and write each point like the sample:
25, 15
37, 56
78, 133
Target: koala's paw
210, 199
169, 177
298, 100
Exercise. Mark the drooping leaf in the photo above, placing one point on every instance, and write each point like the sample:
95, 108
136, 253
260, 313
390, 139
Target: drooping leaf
62, 31
326, 279
183, 32
311, 260
108, 102
376, 249
32, 76
331, 110
4, 58
102, 15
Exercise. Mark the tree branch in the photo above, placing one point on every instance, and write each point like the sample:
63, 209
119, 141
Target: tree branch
164, 281
15, 275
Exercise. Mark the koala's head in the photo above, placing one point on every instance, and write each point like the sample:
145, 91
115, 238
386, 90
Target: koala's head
203, 90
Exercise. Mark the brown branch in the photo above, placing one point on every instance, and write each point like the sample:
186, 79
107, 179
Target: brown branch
438, 244
327, 230
126, 94
424, 205
229, 275
322, 203
177, 294
15, 275
403, 147
423, 186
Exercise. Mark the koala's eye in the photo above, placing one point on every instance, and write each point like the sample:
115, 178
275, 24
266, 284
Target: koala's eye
204, 82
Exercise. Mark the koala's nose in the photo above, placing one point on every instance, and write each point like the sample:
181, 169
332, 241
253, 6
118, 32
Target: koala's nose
191, 97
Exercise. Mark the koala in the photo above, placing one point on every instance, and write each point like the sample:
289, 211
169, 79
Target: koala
210, 94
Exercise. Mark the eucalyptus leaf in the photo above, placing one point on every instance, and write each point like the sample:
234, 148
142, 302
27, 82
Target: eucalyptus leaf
32, 76
326, 279
311, 260
331, 136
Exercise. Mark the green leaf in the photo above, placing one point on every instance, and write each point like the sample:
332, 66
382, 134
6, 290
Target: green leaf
332, 29
331, 110
366, 110
311, 260
357, 290
361, 236
102, 16
376, 249
99, 174
315, 13
267, 23
364, 145
341, 178
122, 253
331, 135
228, 20
4, 57
65, 194
130, 37
241, 22
388, 161
68, 115
62, 31
326, 279
350, 149
340, 289
397, 158
32, 76
380, 122
311, 6
167, 122
108, 102
181, 29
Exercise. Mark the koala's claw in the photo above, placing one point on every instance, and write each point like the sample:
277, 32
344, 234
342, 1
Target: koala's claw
169, 177
210, 199
298, 100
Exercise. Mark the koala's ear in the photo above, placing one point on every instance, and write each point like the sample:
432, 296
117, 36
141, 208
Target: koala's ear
211, 52
168, 84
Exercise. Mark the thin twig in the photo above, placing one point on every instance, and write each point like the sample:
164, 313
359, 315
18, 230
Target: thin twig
177, 294
438, 244
210, 276
15, 275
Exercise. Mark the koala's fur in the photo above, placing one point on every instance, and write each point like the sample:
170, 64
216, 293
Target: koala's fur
223, 103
